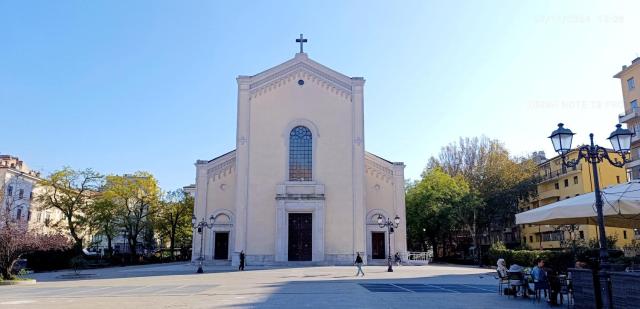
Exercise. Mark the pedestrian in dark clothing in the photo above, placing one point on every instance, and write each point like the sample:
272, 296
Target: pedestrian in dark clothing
241, 267
358, 263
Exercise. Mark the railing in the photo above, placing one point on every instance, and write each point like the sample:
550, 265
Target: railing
419, 258
631, 115
556, 173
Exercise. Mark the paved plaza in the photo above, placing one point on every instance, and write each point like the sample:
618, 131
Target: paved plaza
177, 286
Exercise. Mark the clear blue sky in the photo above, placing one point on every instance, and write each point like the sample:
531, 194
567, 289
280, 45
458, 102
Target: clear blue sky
121, 86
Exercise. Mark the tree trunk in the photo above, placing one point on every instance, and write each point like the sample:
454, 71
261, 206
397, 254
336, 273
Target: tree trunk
7, 267
6, 273
109, 245
434, 245
77, 247
133, 244
172, 242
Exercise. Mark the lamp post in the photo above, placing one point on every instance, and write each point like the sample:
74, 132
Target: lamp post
390, 225
200, 226
620, 140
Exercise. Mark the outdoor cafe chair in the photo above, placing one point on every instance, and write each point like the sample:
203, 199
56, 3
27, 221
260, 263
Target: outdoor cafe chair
565, 289
502, 282
516, 279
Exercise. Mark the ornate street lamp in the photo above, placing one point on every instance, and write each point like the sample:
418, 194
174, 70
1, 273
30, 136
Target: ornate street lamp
200, 226
390, 225
621, 142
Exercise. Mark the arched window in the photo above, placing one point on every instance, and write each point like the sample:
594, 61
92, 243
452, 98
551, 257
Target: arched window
300, 153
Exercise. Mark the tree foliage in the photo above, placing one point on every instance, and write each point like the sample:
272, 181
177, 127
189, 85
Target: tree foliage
71, 192
431, 204
103, 217
484, 187
136, 202
174, 218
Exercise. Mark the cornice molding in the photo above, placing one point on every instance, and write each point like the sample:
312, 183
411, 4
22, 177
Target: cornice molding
221, 170
380, 168
219, 167
306, 73
300, 67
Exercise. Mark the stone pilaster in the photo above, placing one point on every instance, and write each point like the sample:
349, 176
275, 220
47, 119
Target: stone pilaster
242, 167
200, 206
400, 241
359, 209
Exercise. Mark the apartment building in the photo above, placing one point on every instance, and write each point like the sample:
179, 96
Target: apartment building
558, 182
631, 117
19, 186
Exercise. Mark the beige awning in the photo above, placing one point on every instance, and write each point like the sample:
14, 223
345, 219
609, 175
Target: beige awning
621, 209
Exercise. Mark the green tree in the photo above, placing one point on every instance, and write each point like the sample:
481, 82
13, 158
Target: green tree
430, 203
72, 192
103, 215
136, 200
498, 182
174, 218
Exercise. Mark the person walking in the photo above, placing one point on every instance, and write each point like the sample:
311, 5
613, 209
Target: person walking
358, 263
241, 267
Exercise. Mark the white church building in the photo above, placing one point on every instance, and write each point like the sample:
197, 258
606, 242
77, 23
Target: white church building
299, 186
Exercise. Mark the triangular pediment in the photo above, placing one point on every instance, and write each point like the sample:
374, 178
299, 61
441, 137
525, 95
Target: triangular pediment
298, 67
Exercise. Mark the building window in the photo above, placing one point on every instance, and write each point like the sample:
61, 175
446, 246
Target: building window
624, 234
575, 180
553, 236
618, 179
634, 105
524, 240
581, 234
557, 186
530, 238
300, 154
566, 183
10, 191
21, 194
631, 83
19, 214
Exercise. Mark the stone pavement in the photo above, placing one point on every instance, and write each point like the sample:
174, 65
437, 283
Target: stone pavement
177, 286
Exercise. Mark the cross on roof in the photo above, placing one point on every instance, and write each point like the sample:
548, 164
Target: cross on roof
301, 41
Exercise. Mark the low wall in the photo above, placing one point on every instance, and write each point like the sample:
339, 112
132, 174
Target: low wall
625, 290
584, 288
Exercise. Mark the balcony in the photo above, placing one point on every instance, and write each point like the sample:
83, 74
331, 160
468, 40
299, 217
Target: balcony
552, 175
553, 193
635, 113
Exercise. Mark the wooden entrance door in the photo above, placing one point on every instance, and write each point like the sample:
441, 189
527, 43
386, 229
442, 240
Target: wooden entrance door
300, 236
377, 245
221, 246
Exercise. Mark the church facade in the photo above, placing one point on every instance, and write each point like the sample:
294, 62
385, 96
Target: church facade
299, 186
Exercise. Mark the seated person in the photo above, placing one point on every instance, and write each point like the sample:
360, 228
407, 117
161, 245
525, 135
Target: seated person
515, 268
581, 264
502, 268
539, 276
